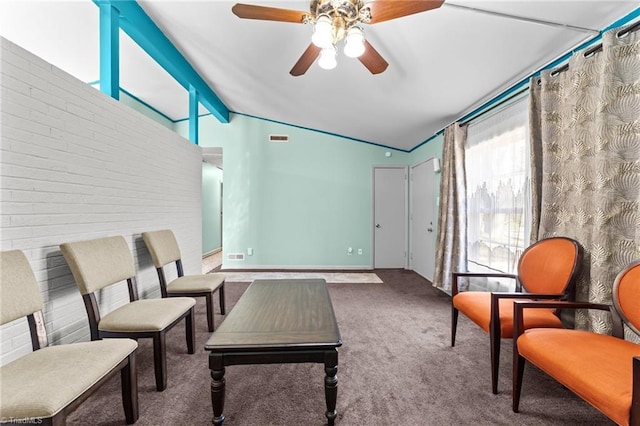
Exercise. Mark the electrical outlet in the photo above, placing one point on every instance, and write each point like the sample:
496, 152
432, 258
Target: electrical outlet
360, 252
349, 250
250, 251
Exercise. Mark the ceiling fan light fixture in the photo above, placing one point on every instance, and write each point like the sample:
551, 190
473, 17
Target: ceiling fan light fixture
327, 59
323, 32
354, 42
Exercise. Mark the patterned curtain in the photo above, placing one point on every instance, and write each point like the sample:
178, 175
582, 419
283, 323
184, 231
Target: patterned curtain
535, 157
589, 139
451, 249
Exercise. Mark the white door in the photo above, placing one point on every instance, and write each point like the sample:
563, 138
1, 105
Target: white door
389, 217
422, 219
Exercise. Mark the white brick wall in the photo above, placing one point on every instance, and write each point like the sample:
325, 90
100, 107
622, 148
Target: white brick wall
77, 165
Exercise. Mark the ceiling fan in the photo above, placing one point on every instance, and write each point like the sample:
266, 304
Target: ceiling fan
335, 20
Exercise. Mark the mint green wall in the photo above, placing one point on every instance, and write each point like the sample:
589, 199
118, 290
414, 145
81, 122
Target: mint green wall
140, 107
297, 204
431, 149
145, 110
211, 208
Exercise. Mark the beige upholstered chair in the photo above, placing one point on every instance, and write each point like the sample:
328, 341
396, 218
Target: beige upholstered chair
50, 382
96, 264
164, 249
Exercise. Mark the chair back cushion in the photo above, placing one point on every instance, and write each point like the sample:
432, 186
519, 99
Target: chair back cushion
550, 265
163, 247
19, 291
99, 263
626, 295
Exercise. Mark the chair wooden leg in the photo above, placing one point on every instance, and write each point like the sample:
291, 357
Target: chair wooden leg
635, 393
518, 372
129, 382
59, 419
209, 302
494, 338
160, 361
454, 325
223, 311
190, 332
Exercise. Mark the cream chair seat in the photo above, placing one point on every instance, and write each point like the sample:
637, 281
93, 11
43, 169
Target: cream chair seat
99, 263
196, 283
47, 384
145, 315
164, 249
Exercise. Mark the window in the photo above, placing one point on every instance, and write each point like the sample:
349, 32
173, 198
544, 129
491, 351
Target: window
498, 189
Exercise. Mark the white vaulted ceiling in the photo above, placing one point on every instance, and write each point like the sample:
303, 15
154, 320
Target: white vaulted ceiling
442, 63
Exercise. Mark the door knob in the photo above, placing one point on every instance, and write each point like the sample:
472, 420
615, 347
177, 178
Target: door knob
378, 225
429, 229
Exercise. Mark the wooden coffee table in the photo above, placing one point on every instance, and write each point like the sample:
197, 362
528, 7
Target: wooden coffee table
276, 322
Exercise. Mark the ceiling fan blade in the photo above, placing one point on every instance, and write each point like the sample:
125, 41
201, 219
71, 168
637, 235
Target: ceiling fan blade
384, 10
305, 60
372, 59
249, 11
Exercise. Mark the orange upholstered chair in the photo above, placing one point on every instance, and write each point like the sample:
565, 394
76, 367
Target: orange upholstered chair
546, 270
604, 370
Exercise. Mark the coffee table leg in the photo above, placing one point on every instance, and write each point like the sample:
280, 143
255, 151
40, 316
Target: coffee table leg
217, 389
331, 385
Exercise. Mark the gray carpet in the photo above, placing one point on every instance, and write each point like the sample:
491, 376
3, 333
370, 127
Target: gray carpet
396, 367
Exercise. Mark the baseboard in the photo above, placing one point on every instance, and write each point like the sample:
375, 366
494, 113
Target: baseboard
212, 252
298, 268
443, 291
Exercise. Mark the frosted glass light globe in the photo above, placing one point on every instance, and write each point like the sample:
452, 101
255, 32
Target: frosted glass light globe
354, 42
323, 32
327, 58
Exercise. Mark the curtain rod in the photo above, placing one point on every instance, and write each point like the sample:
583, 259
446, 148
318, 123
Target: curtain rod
597, 48
496, 105
590, 51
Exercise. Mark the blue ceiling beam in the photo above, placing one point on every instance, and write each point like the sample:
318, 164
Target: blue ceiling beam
109, 51
193, 115
138, 25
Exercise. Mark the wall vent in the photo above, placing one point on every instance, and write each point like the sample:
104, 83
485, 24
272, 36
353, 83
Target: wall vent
235, 256
278, 138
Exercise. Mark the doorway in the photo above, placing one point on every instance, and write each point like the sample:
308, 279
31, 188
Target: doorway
422, 218
212, 208
389, 217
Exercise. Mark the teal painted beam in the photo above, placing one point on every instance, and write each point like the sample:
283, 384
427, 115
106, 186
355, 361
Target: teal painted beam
109, 50
142, 30
193, 115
